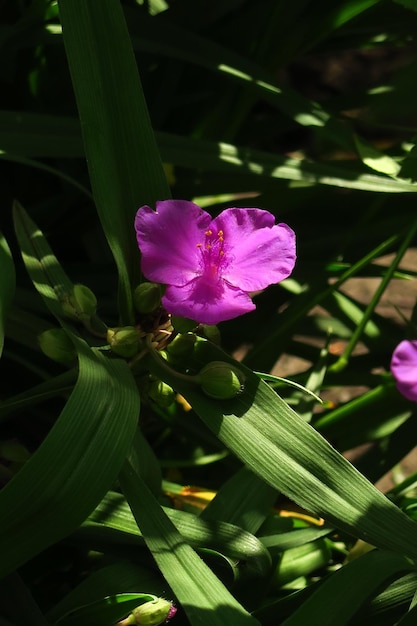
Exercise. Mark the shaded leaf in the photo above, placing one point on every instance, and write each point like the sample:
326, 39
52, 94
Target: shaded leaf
7, 285
123, 160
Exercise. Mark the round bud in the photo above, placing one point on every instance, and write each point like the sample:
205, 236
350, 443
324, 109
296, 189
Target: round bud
181, 345
80, 303
12, 450
221, 380
56, 345
147, 297
212, 333
183, 324
154, 612
161, 393
124, 341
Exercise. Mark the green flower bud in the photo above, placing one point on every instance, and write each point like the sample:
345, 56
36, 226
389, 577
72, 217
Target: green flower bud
161, 393
183, 324
124, 341
181, 345
221, 380
56, 345
301, 561
12, 450
154, 612
212, 333
80, 304
147, 297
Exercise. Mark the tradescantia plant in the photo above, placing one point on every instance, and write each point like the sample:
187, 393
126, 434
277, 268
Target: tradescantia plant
148, 474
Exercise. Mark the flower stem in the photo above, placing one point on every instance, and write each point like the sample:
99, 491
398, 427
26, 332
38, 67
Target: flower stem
154, 354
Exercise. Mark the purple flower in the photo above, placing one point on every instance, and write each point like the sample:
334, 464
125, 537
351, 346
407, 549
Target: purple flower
210, 265
404, 368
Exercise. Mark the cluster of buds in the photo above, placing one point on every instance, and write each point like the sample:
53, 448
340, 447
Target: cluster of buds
154, 323
153, 333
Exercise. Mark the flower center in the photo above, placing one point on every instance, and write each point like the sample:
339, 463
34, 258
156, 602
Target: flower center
212, 254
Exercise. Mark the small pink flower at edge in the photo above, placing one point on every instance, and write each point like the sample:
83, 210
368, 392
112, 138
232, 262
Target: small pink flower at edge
210, 265
404, 368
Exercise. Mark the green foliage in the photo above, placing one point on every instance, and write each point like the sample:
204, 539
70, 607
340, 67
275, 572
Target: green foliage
121, 479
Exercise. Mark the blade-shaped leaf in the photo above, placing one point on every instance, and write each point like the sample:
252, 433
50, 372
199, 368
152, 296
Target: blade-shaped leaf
123, 159
340, 596
202, 595
31, 135
112, 579
240, 160
106, 611
7, 285
113, 513
244, 500
278, 445
43, 267
80, 457
76, 463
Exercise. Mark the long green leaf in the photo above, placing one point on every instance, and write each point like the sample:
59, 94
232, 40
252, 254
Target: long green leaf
168, 38
7, 285
113, 513
201, 594
76, 463
31, 135
17, 602
165, 38
123, 159
106, 611
80, 457
342, 594
46, 273
122, 577
225, 157
278, 445
244, 500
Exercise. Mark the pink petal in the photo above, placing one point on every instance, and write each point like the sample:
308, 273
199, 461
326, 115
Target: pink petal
259, 253
207, 303
168, 239
404, 369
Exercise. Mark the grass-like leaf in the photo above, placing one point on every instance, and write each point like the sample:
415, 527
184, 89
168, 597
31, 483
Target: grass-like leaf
124, 163
46, 273
76, 463
7, 284
118, 578
50, 136
80, 457
340, 596
106, 611
244, 500
278, 445
201, 594
113, 513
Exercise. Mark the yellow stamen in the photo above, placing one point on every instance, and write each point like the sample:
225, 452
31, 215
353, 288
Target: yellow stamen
208, 233
199, 245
